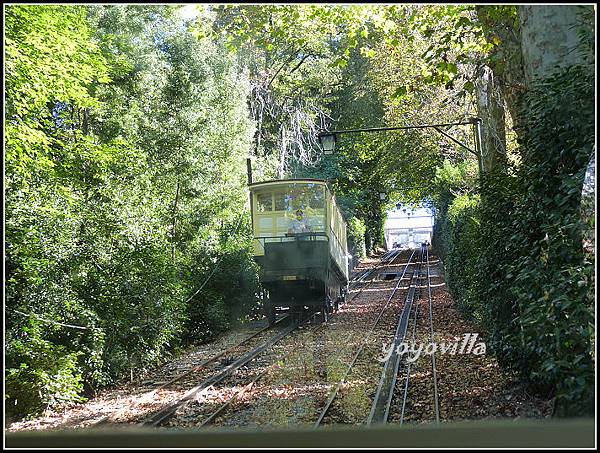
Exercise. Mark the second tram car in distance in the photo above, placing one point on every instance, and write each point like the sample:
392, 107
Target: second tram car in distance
300, 246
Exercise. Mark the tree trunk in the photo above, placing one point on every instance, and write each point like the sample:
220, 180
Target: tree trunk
490, 108
174, 223
549, 36
506, 62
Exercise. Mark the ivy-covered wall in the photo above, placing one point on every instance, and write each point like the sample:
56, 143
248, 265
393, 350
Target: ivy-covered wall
516, 261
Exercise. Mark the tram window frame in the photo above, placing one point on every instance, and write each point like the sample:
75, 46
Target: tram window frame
261, 205
287, 200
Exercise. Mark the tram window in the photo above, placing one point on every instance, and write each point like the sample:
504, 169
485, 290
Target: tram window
281, 201
285, 201
296, 196
317, 199
264, 202
301, 196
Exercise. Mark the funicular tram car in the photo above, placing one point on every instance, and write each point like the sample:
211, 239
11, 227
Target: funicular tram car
300, 246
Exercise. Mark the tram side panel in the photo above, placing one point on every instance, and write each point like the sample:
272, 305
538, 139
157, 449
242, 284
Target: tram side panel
338, 250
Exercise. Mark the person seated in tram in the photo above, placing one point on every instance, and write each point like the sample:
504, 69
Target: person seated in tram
299, 224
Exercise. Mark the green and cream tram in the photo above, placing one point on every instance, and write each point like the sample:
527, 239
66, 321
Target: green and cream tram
300, 246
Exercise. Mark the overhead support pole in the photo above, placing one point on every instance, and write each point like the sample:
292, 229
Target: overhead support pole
328, 139
456, 141
382, 129
249, 169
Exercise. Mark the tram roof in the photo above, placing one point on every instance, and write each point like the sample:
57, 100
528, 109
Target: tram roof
275, 182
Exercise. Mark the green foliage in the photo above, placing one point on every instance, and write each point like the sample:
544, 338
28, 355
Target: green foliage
356, 238
288, 52
455, 38
451, 180
126, 136
410, 158
353, 168
118, 191
462, 268
48, 373
554, 275
527, 279
225, 294
60, 37
457, 237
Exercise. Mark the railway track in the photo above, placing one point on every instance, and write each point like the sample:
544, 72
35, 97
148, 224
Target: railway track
386, 259
224, 368
408, 365
182, 375
160, 418
425, 282
335, 392
221, 410
216, 376
208, 415
385, 390
436, 403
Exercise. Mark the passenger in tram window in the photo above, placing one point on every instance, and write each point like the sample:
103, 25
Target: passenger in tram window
299, 224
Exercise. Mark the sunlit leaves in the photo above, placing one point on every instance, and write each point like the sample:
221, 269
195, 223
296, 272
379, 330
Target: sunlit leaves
459, 39
60, 37
401, 91
95, 233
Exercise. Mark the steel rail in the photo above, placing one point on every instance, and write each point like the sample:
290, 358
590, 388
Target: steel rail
196, 368
167, 412
387, 258
334, 393
405, 391
393, 254
406, 384
360, 276
239, 393
382, 401
433, 367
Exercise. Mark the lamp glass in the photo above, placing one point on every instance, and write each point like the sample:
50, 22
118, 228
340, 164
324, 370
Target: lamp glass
328, 143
